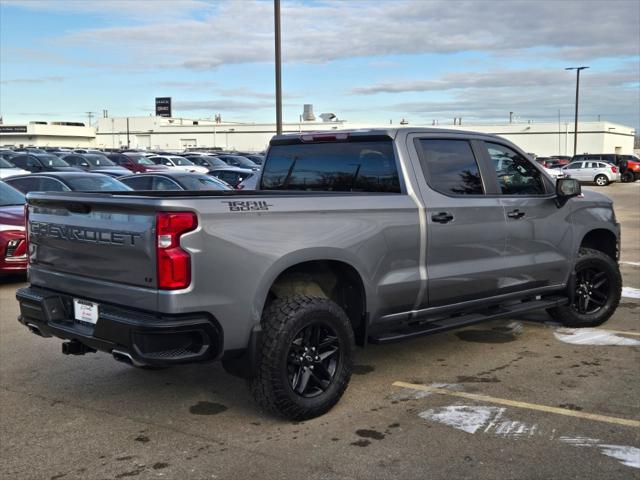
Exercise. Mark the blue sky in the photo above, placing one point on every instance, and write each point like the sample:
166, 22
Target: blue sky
364, 61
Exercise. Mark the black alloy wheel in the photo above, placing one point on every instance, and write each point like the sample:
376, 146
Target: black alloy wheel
313, 358
593, 288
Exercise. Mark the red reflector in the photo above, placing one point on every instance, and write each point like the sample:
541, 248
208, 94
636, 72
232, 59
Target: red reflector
174, 263
614, 169
21, 249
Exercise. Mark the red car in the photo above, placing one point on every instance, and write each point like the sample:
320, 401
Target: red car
13, 241
135, 163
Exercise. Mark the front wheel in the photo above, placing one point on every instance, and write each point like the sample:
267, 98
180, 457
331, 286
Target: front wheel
598, 287
627, 177
306, 357
602, 180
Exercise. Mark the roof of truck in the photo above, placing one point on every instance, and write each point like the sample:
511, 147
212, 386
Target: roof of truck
390, 132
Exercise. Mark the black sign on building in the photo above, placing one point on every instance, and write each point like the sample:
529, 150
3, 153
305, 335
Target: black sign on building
163, 106
13, 129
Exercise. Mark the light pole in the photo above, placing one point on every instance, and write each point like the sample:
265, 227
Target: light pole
575, 128
276, 21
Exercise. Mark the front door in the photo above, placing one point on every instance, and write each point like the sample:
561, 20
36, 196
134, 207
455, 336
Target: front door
539, 233
465, 225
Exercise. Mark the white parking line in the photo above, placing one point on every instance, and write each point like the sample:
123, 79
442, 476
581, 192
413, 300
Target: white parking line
530, 406
630, 292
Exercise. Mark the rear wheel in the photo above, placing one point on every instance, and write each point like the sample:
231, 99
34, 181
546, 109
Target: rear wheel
627, 177
602, 180
598, 287
306, 357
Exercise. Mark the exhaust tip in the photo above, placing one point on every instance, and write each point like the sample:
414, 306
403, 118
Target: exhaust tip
34, 329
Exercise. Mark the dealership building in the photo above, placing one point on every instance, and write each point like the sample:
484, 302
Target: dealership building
177, 134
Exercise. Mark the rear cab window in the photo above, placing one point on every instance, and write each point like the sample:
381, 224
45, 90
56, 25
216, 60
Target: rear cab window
357, 164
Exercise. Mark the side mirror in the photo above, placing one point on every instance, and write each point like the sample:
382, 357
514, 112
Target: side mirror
567, 188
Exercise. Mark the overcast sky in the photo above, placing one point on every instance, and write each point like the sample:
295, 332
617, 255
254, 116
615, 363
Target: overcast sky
365, 61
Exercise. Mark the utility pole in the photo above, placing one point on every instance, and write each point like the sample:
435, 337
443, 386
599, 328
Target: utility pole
575, 128
276, 21
89, 116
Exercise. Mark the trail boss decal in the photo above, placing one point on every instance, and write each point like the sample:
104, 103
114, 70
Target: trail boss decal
248, 206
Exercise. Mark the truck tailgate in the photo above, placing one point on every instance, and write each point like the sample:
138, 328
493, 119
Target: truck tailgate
110, 242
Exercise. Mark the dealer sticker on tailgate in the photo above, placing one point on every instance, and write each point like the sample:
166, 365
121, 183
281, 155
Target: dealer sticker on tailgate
85, 311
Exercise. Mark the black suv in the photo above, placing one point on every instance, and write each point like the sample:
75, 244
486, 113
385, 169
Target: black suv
42, 162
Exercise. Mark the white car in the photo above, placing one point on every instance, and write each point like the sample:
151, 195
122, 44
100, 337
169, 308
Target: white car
8, 170
555, 172
600, 173
174, 162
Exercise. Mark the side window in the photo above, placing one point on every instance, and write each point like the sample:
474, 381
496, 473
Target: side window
20, 161
450, 166
161, 183
574, 166
71, 159
139, 183
25, 185
32, 162
516, 174
51, 185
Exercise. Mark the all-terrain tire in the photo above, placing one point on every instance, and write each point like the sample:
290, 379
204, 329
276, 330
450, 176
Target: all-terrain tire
597, 261
283, 320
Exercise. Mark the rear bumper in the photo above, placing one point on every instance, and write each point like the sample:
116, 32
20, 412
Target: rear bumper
143, 337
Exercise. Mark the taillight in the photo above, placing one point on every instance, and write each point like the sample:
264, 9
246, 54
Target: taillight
324, 137
614, 169
174, 263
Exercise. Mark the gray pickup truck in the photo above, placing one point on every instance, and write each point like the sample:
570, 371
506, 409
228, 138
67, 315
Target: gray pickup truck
353, 237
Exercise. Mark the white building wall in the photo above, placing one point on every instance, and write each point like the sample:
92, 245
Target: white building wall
50, 136
543, 139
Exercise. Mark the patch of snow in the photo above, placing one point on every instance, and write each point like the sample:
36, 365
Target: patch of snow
593, 336
631, 292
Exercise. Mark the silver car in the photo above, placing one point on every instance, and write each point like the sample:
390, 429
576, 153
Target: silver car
600, 173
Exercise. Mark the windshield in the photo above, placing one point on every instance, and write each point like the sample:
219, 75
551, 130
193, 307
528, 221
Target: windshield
5, 164
52, 161
242, 161
95, 183
213, 161
98, 160
181, 161
10, 196
140, 160
202, 182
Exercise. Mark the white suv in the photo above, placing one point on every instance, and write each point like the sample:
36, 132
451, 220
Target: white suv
600, 173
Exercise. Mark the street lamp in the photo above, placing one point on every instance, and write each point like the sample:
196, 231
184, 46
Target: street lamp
575, 128
276, 21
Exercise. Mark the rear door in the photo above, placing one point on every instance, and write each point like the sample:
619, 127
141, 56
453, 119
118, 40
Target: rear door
539, 236
466, 228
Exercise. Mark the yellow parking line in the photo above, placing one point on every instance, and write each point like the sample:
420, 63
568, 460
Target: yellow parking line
621, 332
513, 403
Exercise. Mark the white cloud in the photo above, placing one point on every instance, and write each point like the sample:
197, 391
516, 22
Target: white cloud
242, 31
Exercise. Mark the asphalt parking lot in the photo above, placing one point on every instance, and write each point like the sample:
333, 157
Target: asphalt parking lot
518, 398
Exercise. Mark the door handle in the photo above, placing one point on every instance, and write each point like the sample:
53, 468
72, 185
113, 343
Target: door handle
442, 217
516, 214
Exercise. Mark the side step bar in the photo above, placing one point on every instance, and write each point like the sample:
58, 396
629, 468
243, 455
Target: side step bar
440, 325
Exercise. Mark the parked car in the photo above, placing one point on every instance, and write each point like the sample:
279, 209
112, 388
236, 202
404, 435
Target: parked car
61, 153
629, 165
135, 163
66, 182
600, 173
88, 150
173, 180
42, 162
174, 162
13, 244
232, 175
257, 159
93, 162
238, 161
7, 155
365, 236
7, 169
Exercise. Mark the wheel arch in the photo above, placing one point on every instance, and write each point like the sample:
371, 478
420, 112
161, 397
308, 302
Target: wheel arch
318, 273
601, 239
